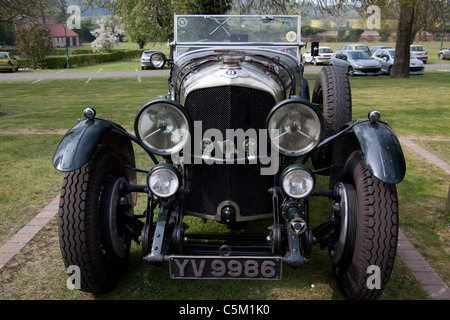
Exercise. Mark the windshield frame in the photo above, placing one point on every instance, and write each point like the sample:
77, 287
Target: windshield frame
197, 45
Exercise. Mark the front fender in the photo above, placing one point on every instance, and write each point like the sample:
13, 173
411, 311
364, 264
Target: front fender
382, 152
79, 144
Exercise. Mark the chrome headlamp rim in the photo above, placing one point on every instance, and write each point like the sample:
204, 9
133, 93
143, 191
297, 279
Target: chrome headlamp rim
297, 167
172, 103
163, 59
164, 166
282, 104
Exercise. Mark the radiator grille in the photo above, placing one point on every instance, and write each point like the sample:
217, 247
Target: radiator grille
228, 108
368, 70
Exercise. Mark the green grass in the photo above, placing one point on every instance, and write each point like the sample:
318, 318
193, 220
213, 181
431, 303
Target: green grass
56, 104
28, 182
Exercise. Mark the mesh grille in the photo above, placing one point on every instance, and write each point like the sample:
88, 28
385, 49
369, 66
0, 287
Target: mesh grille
370, 69
228, 108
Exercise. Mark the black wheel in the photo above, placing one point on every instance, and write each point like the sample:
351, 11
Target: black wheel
332, 93
389, 70
91, 228
365, 249
350, 72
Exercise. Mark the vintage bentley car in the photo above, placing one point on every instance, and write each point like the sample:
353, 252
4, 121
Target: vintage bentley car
236, 140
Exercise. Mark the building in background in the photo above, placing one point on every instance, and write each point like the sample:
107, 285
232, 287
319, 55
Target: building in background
59, 35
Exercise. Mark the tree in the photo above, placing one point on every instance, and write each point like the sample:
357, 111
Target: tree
265, 7
34, 42
152, 20
6, 33
106, 35
156, 15
86, 26
31, 10
400, 69
210, 6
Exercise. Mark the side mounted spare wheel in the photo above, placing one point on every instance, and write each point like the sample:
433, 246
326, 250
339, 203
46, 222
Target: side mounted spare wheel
333, 95
365, 243
92, 233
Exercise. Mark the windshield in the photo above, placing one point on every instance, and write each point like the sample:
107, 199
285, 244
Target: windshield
392, 53
417, 48
325, 50
237, 29
280, 33
363, 48
359, 55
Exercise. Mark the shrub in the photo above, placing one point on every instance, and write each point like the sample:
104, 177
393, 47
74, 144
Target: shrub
352, 36
106, 35
34, 42
60, 62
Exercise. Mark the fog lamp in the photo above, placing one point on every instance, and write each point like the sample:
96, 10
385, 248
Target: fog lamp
164, 180
297, 181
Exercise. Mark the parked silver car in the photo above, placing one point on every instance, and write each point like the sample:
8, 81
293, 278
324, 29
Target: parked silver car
324, 56
374, 49
444, 54
356, 62
356, 46
419, 52
386, 59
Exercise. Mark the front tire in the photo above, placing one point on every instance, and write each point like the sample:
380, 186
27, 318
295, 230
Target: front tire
82, 223
333, 94
365, 273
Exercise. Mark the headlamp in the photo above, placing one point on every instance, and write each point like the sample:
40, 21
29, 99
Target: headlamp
295, 127
157, 60
163, 126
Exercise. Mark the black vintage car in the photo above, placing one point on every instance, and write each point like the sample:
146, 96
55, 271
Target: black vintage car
241, 141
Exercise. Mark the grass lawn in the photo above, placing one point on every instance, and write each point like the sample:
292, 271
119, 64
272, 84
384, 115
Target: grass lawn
28, 182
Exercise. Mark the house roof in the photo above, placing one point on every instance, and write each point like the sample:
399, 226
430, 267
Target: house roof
57, 30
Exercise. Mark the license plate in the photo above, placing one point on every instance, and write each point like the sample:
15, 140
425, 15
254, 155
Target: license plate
257, 268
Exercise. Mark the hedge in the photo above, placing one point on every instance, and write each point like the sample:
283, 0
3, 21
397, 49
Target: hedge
56, 51
60, 62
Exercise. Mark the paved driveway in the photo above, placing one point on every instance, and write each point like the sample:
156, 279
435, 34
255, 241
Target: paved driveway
82, 75
147, 73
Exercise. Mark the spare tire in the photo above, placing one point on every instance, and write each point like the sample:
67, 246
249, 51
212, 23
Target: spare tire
333, 96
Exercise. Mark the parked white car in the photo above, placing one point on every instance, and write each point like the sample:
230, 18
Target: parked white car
386, 59
324, 56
